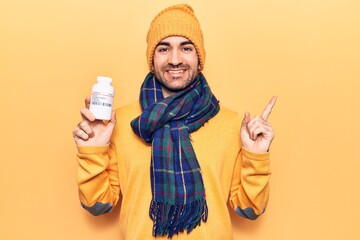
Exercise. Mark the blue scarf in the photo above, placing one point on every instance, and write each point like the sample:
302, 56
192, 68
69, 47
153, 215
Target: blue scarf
178, 194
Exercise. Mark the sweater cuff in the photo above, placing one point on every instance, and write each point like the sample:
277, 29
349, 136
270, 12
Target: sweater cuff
255, 156
93, 149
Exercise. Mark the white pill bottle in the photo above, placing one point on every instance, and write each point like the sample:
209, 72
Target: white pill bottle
102, 96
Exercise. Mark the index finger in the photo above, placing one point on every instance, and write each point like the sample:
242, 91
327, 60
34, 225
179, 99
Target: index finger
87, 115
87, 101
266, 113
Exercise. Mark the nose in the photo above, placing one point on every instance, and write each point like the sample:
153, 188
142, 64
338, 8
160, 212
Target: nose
175, 57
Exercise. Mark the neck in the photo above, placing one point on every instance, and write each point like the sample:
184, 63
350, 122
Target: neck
166, 93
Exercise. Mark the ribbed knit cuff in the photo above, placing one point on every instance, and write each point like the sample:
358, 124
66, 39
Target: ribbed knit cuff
255, 156
93, 149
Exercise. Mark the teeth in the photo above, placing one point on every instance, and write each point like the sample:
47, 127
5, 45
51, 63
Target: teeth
176, 71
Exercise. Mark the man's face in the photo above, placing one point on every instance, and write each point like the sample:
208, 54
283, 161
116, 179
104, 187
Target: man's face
175, 64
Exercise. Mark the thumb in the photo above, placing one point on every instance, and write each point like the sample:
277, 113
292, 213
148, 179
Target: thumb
245, 120
113, 117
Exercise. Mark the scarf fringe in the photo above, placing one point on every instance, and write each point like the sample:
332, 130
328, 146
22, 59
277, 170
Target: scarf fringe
171, 219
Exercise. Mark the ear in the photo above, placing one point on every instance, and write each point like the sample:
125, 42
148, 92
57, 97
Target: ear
152, 66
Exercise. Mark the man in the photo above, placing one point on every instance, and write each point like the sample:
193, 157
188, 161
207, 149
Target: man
177, 156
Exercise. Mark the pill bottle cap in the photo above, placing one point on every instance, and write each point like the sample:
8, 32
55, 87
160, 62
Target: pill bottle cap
104, 79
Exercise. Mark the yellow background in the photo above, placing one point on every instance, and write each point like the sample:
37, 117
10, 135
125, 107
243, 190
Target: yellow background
306, 52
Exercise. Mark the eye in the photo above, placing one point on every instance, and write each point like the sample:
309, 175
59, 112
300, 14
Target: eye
163, 49
187, 49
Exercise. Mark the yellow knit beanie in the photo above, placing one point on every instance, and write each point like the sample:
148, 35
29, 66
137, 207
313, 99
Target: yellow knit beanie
177, 20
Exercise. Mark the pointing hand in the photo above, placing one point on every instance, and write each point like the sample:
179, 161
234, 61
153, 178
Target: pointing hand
257, 133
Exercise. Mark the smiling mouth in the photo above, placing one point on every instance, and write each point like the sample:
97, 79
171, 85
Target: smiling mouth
177, 71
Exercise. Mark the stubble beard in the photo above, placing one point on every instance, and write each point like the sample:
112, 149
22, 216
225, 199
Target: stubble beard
160, 77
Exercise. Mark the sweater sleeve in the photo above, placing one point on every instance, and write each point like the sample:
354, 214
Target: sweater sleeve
97, 179
250, 184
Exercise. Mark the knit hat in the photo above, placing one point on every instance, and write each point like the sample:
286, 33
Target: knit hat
177, 20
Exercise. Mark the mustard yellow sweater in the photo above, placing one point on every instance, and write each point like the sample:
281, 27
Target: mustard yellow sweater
230, 173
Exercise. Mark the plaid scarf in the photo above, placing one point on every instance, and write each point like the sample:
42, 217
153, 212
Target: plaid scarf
178, 194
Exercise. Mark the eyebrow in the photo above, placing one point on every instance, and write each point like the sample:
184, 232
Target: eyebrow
186, 43
162, 43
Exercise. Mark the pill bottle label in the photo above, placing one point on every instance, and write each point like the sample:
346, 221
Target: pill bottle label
101, 105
